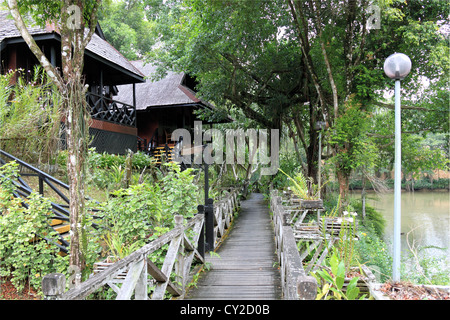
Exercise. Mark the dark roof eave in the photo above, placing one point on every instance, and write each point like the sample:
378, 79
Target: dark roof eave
138, 78
181, 105
56, 36
36, 37
196, 104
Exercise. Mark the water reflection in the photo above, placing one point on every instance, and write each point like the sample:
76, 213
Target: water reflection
425, 219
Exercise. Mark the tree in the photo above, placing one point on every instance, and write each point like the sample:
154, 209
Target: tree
344, 59
354, 148
76, 21
298, 62
243, 60
126, 27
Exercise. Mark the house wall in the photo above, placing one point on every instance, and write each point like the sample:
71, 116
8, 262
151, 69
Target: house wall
112, 138
161, 119
106, 136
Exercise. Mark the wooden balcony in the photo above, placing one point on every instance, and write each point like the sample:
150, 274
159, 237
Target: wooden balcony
106, 109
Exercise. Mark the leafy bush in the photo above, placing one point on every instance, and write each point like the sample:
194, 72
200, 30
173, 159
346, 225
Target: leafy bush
372, 251
373, 218
146, 210
30, 120
332, 281
23, 254
141, 160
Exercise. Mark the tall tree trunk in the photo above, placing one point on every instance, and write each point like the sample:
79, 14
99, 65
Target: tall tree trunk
77, 147
74, 40
343, 180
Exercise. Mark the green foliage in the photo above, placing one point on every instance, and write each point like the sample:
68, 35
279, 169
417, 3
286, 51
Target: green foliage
302, 187
117, 247
426, 269
233, 52
29, 116
126, 27
108, 171
9, 173
44, 11
332, 280
247, 56
25, 256
145, 210
418, 157
352, 144
373, 218
373, 252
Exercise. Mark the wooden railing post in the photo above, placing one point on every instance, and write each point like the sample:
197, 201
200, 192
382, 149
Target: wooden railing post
53, 285
201, 238
179, 263
209, 225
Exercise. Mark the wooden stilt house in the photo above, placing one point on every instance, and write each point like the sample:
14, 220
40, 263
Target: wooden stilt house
113, 128
163, 106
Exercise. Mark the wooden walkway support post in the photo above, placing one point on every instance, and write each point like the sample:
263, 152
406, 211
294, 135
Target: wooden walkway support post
201, 239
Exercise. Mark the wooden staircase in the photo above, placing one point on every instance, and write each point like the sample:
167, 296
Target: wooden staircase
59, 217
63, 228
163, 153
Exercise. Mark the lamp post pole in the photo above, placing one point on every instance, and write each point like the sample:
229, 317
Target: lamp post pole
397, 66
397, 185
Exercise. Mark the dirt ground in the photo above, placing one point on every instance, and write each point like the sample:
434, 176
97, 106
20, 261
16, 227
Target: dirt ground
408, 291
8, 292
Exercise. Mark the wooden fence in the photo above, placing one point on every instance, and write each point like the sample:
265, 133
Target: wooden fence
137, 272
223, 215
295, 282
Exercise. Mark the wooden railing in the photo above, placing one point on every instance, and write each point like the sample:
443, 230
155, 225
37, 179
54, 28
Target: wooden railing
224, 210
137, 272
103, 108
23, 190
296, 284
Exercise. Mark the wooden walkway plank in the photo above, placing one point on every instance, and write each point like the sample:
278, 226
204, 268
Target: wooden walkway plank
246, 265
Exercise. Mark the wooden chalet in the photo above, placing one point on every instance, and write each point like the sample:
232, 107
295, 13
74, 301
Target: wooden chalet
113, 126
163, 106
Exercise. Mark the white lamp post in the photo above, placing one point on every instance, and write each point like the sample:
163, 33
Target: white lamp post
397, 66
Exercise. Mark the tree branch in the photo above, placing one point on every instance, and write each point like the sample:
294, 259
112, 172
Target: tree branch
304, 47
403, 107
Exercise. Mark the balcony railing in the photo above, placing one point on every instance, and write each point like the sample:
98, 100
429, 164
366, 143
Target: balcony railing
106, 109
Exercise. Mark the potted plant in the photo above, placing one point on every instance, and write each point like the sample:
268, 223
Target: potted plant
117, 250
305, 192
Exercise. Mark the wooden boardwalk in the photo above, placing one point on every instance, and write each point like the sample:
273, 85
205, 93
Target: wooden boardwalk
246, 267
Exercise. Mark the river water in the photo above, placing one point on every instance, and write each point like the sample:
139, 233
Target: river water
425, 220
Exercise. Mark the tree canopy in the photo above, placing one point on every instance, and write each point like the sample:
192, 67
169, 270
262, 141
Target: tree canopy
292, 63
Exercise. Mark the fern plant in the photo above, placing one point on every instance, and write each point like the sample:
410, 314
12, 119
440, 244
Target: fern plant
303, 187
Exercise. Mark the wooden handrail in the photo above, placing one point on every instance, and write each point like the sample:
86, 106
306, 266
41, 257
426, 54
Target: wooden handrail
138, 263
139, 268
296, 284
108, 109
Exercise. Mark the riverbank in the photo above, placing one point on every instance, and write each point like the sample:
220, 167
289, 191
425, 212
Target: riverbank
425, 241
442, 184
